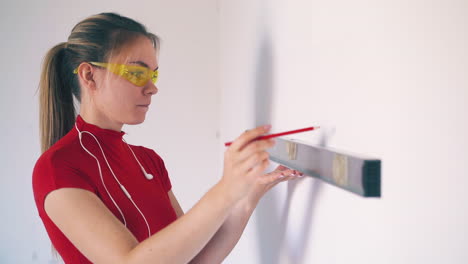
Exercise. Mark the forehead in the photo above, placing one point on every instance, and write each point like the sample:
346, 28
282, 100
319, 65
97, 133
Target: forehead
142, 50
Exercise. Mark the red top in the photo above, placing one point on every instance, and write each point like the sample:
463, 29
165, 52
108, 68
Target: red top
67, 164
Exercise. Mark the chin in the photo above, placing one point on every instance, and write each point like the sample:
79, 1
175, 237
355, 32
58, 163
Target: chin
136, 120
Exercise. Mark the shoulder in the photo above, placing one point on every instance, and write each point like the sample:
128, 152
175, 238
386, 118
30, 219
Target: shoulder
148, 152
152, 159
59, 156
60, 166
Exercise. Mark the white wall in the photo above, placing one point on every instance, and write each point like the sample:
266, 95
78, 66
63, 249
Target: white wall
182, 124
391, 78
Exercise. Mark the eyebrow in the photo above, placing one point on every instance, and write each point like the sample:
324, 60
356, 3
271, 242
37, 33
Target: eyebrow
142, 64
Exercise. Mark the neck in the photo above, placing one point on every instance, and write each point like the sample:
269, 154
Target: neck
99, 119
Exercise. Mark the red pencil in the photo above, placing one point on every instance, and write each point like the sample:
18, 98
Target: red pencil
281, 134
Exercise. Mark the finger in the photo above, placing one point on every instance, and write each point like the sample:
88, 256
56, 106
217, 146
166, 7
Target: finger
289, 175
271, 178
259, 168
276, 177
253, 160
253, 147
300, 174
293, 172
282, 168
249, 136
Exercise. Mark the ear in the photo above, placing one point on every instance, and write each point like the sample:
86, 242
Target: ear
86, 76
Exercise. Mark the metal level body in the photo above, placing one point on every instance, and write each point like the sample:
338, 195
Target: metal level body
353, 172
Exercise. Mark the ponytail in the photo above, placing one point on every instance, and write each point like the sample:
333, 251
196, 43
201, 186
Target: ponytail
93, 39
56, 109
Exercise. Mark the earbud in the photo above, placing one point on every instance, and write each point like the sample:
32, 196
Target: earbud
148, 176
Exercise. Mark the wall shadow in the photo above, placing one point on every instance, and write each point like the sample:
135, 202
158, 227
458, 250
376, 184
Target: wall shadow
271, 225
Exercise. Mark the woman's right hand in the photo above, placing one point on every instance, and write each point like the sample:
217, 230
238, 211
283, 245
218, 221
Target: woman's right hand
245, 161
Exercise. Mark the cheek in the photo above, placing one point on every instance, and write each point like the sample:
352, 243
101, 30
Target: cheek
117, 97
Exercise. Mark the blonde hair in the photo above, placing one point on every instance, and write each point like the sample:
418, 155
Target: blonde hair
96, 38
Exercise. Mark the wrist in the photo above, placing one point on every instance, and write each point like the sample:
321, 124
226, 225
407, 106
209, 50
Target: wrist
251, 201
225, 195
254, 200
243, 207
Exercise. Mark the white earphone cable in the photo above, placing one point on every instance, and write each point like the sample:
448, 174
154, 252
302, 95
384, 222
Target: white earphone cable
143, 169
121, 186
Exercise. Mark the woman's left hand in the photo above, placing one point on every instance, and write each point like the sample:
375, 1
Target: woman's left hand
271, 179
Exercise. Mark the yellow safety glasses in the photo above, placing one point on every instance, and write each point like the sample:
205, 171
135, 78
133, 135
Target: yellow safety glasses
137, 75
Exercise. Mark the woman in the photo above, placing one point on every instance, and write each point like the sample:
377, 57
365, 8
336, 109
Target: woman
104, 201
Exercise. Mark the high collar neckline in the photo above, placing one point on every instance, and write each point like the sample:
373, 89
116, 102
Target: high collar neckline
97, 131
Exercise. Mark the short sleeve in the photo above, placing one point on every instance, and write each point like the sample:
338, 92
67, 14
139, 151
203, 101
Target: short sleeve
158, 162
53, 172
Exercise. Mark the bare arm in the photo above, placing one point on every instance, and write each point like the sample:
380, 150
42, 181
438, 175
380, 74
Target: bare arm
227, 236
102, 238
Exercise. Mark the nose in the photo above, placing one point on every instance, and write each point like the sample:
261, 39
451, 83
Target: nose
151, 88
